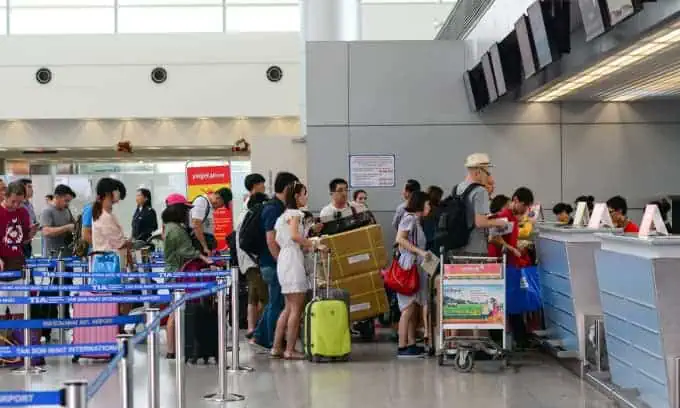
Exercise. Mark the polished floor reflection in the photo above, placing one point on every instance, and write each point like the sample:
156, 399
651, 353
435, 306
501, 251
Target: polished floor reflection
374, 378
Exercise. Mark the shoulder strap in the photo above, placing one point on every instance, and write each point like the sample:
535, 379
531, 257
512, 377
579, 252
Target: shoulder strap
207, 206
465, 192
354, 210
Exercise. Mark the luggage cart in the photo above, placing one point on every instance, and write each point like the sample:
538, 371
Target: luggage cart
471, 298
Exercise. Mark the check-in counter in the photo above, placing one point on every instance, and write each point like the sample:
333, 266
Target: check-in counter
639, 282
570, 292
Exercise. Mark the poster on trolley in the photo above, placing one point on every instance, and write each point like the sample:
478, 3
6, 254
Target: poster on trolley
204, 179
473, 304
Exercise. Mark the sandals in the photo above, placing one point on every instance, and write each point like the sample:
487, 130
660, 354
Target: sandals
276, 355
294, 356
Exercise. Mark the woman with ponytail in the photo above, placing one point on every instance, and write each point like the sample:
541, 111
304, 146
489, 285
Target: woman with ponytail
107, 233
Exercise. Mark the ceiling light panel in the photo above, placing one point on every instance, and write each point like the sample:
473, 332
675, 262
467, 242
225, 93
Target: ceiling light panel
648, 69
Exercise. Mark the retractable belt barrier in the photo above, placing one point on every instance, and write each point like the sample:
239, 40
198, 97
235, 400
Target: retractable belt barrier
52, 350
66, 300
71, 323
106, 287
30, 398
39, 274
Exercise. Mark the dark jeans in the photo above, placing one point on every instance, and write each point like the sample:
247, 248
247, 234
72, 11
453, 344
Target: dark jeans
519, 330
264, 332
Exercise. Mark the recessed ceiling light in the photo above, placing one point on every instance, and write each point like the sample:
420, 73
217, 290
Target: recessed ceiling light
126, 119
203, 118
184, 148
241, 117
153, 148
92, 148
61, 149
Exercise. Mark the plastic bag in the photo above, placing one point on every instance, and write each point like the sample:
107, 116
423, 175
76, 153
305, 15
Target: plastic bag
522, 290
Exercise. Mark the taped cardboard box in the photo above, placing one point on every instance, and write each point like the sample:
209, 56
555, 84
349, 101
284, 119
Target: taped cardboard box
355, 252
367, 294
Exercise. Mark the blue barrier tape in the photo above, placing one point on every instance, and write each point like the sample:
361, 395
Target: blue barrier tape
65, 300
132, 274
58, 350
30, 398
104, 376
71, 323
107, 288
10, 274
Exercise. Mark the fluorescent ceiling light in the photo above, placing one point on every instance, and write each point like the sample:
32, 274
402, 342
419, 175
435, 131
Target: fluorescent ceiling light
637, 52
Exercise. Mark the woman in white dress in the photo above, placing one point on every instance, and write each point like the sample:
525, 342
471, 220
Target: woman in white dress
290, 269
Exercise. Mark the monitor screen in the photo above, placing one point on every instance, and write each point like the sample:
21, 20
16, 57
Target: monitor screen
497, 66
489, 77
591, 14
619, 10
475, 87
526, 50
540, 35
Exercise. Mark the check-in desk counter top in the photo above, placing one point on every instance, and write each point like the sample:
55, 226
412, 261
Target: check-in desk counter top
640, 291
569, 284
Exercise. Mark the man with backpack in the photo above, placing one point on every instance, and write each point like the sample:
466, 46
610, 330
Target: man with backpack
257, 238
203, 221
466, 212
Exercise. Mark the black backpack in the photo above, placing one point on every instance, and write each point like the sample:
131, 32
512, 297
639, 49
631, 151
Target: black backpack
251, 236
453, 231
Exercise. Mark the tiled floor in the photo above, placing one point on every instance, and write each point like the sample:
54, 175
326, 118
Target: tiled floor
374, 378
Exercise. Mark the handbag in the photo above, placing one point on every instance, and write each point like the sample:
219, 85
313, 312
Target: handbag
401, 280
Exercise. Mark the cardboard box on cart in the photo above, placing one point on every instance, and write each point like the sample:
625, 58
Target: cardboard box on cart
356, 252
367, 294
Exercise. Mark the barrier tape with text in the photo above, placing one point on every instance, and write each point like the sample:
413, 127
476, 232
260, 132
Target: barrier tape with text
65, 300
107, 288
31, 398
131, 274
53, 350
71, 323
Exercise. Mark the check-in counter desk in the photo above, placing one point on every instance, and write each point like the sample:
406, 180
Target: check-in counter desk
639, 282
570, 291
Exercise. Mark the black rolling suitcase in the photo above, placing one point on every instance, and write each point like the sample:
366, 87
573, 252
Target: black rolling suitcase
200, 331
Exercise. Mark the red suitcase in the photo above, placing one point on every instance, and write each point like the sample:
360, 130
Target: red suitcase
88, 335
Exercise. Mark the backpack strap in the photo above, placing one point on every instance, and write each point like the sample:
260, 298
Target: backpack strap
207, 207
465, 192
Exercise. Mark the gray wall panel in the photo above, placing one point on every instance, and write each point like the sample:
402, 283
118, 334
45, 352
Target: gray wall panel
327, 152
327, 83
436, 155
637, 161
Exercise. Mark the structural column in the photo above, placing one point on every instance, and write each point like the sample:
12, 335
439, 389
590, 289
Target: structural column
325, 20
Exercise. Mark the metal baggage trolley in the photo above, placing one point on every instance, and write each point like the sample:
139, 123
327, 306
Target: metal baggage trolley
471, 298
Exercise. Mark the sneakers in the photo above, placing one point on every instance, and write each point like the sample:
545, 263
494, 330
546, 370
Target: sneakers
411, 352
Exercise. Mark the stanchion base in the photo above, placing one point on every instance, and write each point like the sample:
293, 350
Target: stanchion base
241, 369
217, 397
30, 371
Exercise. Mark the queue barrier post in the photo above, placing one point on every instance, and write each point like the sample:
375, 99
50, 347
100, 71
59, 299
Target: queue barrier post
75, 394
236, 366
28, 368
152, 356
179, 351
142, 269
125, 368
222, 394
61, 309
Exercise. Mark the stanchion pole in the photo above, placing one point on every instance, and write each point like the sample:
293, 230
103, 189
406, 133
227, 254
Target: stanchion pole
179, 351
235, 346
125, 368
61, 309
222, 395
75, 394
152, 355
28, 368
145, 260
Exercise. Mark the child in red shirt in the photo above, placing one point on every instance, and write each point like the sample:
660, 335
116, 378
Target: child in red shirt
521, 202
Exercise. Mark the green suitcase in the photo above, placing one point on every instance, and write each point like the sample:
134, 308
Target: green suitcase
326, 335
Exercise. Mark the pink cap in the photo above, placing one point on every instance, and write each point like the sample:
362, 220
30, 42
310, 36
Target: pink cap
176, 198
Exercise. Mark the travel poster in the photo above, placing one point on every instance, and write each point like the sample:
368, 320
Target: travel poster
477, 305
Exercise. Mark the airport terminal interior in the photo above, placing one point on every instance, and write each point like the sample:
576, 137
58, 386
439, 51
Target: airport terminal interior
339, 203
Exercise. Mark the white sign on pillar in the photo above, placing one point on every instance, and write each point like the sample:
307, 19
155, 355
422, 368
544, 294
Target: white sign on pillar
582, 216
652, 220
600, 217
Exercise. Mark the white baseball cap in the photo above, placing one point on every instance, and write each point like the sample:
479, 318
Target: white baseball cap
476, 160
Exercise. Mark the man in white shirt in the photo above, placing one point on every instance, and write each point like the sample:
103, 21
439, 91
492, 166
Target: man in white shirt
203, 221
339, 206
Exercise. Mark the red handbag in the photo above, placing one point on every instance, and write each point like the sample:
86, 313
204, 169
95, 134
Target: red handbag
403, 281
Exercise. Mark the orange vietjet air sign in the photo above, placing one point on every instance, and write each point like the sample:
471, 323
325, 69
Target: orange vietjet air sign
208, 179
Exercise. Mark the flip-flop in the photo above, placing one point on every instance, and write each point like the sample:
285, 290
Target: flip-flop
293, 356
276, 355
